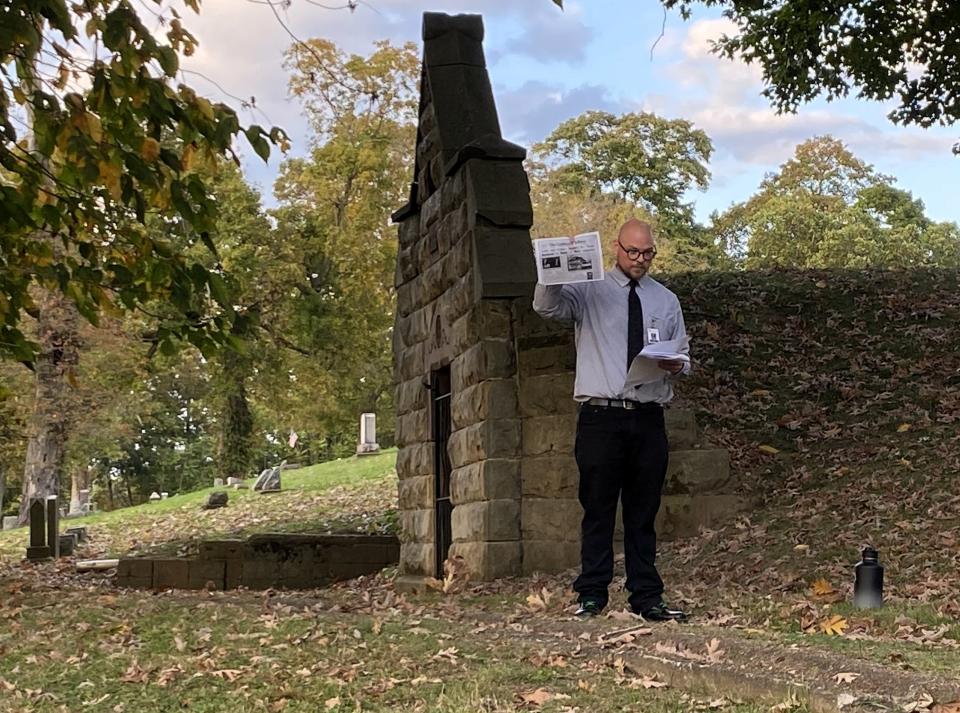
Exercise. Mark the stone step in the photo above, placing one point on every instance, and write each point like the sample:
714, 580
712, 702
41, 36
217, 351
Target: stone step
684, 515
697, 472
682, 430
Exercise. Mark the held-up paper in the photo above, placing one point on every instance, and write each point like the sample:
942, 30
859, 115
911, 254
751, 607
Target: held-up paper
644, 369
562, 261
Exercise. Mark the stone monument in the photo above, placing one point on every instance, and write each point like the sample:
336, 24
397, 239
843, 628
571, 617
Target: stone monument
485, 414
38, 549
368, 435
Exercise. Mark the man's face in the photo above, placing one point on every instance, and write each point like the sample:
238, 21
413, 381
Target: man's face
634, 239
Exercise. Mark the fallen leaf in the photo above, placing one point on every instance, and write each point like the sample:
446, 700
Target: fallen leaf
822, 587
331, 703
537, 697
770, 450
951, 707
846, 677
904, 427
834, 626
845, 699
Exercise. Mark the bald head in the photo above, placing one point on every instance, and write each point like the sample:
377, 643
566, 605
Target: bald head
635, 248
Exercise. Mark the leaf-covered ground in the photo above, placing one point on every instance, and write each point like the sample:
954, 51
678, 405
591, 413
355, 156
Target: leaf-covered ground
837, 395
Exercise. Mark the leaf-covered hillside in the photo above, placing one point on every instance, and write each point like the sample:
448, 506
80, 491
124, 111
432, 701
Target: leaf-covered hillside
838, 396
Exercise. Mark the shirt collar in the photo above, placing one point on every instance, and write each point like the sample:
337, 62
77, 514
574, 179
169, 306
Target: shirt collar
618, 276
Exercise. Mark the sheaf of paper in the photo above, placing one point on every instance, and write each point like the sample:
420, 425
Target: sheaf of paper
562, 261
644, 369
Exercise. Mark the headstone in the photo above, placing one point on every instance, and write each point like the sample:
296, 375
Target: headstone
368, 435
164, 495
67, 543
154, 496
269, 480
218, 482
234, 481
10, 522
80, 506
80, 533
216, 499
38, 549
53, 526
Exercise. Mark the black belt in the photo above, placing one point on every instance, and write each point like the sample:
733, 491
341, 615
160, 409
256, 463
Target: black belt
624, 404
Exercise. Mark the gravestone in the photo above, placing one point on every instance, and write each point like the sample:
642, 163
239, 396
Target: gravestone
154, 497
53, 526
38, 549
486, 420
10, 522
233, 482
164, 495
368, 435
79, 533
67, 542
218, 482
217, 499
269, 480
81, 504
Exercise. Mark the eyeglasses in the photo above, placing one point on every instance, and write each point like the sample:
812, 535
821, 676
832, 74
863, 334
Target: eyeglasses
636, 253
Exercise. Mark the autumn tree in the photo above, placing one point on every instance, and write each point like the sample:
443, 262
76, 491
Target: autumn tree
638, 162
96, 135
827, 208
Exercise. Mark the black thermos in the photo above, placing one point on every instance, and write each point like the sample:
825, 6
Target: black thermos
868, 580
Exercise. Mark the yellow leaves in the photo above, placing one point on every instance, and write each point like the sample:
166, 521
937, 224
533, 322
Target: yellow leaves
904, 427
188, 156
833, 626
205, 107
110, 177
769, 450
822, 587
150, 149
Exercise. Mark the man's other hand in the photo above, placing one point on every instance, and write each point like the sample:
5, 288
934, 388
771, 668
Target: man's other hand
674, 366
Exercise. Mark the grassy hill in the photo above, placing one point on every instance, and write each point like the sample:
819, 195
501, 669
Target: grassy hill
838, 396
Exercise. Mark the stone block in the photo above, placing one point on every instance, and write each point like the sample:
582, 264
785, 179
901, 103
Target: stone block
408, 297
136, 573
549, 435
530, 325
411, 395
549, 477
463, 105
550, 556
489, 560
415, 493
547, 394
415, 327
415, 459
459, 298
488, 521
551, 519
413, 427
437, 279
497, 438
684, 515
221, 549
696, 472
494, 479
494, 398
411, 363
547, 355
489, 359
452, 40
503, 263
430, 211
408, 232
461, 251
416, 526
407, 267
498, 191
207, 574
486, 319
416, 558
682, 429
171, 574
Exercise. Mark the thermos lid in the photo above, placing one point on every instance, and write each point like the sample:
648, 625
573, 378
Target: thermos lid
869, 553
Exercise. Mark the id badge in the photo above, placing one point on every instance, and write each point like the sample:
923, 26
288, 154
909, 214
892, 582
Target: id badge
653, 335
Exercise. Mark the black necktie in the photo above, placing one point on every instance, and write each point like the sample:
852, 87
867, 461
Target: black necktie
634, 324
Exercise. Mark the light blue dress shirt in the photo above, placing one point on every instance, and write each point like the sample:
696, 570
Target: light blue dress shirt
600, 312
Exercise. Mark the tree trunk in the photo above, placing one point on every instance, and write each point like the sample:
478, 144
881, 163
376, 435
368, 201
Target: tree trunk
3, 486
58, 337
236, 423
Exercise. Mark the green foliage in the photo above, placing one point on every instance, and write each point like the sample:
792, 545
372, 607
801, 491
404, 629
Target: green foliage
905, 51
90, 148
827, 208
615, 166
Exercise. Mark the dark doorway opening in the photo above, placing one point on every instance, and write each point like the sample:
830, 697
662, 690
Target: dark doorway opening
441, 426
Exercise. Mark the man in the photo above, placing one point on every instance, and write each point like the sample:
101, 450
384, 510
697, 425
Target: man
621, 446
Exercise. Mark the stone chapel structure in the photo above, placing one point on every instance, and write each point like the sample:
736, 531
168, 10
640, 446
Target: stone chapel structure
485, 414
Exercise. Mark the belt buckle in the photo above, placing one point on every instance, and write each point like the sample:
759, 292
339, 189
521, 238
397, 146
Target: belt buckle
629, 405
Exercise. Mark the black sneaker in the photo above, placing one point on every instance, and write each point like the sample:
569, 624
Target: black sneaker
589, 608
661, 612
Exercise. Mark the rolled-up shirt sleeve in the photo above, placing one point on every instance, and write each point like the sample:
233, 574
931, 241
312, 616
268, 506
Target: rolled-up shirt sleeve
557, 302
680, 332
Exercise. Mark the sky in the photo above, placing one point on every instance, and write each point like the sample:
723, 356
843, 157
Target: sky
548, 65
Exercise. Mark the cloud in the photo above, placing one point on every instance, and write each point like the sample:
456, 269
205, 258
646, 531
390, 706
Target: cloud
530, 112
723, 98
550, 39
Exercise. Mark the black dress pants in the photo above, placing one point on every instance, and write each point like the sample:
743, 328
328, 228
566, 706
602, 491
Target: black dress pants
621, 454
